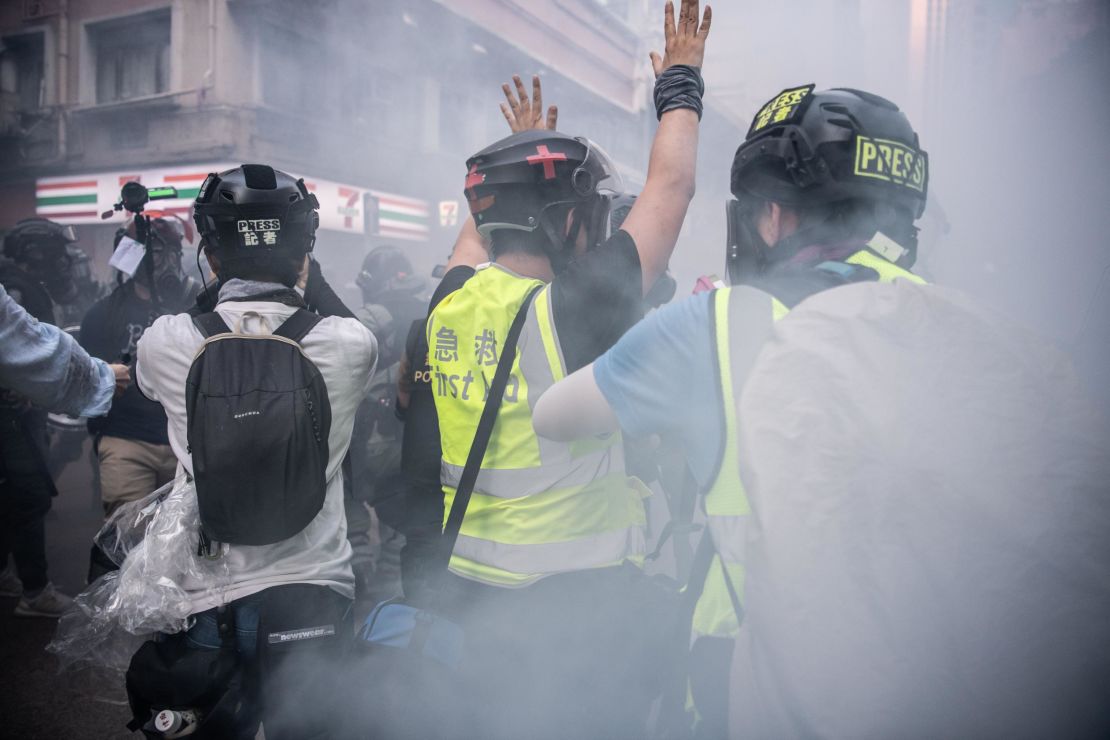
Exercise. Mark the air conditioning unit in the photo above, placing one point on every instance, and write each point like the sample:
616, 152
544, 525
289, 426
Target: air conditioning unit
34, 10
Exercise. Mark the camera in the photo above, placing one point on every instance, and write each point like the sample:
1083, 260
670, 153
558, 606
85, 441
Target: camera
134, 196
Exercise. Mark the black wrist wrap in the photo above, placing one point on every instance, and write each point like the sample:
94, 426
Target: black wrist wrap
680, 86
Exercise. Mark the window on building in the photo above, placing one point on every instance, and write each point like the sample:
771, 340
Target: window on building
454, 135
288, 80
132, 56
22, 78
384, 102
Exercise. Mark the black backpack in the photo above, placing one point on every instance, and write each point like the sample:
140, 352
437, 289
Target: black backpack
258, 424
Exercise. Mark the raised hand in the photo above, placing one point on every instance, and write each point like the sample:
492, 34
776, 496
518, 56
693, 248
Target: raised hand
523, 114
685, 42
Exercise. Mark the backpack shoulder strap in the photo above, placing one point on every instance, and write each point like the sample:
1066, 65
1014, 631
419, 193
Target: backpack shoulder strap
298, 325
210, 324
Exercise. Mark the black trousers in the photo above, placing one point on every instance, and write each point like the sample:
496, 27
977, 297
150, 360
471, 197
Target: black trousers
25, 496
576, 655
710, 663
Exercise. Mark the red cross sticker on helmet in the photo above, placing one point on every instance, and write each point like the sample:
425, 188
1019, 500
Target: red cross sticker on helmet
547, 159
475, 178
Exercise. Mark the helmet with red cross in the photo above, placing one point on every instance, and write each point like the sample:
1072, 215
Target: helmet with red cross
544, 183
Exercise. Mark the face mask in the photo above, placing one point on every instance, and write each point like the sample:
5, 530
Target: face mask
168, 278
171, 284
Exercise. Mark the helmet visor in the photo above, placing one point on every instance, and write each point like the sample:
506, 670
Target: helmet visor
597, 173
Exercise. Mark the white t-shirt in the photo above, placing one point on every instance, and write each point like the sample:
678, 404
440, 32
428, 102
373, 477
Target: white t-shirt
345, 352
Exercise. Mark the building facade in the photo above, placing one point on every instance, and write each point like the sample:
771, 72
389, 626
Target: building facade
377, 105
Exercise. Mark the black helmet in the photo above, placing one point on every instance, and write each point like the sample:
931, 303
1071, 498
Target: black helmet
41, 248
532, 179
384, 268
807, 148
256, 212
168, 230
34, 234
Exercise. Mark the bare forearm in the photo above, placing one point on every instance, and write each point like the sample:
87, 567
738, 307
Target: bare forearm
674, 152
656, 220
668, 190
470, 249
574, 408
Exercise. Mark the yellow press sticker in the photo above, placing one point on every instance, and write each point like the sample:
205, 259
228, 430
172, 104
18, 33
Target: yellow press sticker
781, 109
892, 161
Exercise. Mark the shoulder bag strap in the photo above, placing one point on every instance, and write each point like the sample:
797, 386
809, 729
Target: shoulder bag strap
699, 572
485, 428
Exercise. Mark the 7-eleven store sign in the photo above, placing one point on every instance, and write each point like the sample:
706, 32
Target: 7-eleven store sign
374, 212
80, 199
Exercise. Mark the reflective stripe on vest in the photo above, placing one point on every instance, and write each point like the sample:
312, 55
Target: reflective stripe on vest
539, 507
738, 336
888, 271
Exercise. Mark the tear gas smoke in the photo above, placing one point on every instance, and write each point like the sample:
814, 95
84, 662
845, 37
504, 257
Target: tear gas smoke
1010, 99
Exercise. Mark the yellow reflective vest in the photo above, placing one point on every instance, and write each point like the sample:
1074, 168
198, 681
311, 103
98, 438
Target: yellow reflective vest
539, 507
726, 504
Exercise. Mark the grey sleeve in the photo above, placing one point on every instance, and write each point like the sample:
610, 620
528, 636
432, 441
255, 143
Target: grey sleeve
47, 366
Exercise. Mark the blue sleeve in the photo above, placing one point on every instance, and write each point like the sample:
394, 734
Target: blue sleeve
47, 366
661, 370
661, 378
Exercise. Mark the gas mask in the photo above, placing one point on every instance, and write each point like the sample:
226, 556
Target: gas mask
162, 270
162, 273
53, 267
169, 280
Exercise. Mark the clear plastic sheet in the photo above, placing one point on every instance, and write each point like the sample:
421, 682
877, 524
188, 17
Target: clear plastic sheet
154, 541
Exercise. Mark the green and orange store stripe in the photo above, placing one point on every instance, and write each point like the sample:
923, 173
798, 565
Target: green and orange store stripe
61, 198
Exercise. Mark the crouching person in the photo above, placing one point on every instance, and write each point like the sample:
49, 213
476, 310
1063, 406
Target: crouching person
260, 396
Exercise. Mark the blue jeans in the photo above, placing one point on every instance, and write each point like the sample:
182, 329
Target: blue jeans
289, 679
205, 634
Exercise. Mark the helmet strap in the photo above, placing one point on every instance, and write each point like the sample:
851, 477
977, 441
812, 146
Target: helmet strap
746, 251
597, 230
560, 244
576, 221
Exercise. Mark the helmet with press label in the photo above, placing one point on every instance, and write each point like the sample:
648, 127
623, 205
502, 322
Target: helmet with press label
849, 152
254, 211
807, 147
533, 179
